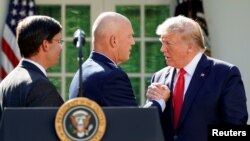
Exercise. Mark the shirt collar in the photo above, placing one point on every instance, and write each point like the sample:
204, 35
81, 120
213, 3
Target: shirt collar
191, 66
36, 64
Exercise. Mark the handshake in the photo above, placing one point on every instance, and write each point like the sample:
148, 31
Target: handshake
157, 91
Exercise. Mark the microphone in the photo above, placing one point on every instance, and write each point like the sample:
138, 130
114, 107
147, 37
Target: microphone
79, 38
79, 41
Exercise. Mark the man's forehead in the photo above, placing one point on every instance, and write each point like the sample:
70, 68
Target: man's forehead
164, 37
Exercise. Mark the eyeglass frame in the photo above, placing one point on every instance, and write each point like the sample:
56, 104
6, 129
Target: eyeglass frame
60, 41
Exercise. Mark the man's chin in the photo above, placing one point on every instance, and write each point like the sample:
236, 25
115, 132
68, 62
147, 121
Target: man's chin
168, 63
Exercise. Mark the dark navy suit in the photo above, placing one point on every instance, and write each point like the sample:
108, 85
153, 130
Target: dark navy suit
104, 82
215, 95
27, 86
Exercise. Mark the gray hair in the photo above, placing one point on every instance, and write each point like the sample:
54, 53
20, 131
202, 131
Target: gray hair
190, 29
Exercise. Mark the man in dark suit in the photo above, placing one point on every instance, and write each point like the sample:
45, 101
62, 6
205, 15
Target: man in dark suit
39, 39
102, 79
212, 90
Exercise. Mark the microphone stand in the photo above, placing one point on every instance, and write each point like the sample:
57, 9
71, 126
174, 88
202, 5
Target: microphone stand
80, 60
79, 41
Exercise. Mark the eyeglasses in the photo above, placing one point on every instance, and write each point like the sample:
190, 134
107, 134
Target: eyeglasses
59, 41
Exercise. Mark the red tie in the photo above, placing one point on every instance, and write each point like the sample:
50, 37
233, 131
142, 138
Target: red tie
178, 96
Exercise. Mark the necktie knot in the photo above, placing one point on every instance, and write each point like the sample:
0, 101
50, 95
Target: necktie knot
182, 71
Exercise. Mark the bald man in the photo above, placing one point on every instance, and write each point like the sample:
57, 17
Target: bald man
103, 80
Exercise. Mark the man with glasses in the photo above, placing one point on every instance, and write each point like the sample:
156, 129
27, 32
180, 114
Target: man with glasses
40, 42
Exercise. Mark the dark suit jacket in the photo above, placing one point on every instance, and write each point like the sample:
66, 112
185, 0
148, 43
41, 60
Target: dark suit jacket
27, 86
215, 95
104, 82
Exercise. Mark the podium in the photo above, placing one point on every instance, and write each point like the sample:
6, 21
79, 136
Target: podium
123, 124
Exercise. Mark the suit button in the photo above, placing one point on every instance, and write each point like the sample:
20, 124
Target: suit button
175, 137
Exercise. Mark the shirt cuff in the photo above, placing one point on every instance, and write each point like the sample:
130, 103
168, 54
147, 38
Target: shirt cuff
161, 102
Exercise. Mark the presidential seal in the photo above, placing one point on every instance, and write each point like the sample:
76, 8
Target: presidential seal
80, 119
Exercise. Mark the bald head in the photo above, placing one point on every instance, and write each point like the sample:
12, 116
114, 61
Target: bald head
112, 35
106, 24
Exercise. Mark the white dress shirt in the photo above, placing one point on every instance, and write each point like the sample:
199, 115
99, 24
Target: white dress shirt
189, 68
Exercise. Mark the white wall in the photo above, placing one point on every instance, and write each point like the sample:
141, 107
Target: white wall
229, 27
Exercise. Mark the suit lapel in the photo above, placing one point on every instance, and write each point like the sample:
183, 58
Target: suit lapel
165, 77
171, 87
198, 79
169, 78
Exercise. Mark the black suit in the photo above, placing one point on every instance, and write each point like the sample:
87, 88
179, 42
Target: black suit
27, 86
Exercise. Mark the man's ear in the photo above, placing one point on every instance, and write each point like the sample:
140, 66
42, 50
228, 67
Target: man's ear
45, 45
190, 47
113, 41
